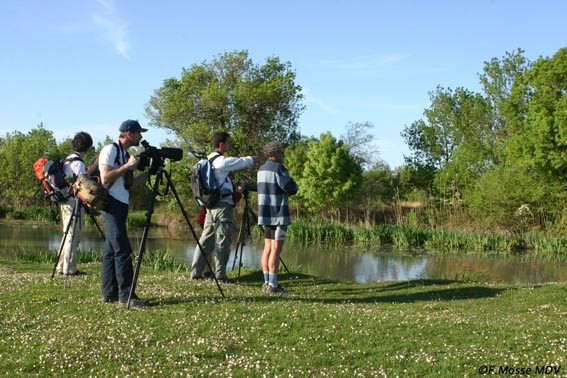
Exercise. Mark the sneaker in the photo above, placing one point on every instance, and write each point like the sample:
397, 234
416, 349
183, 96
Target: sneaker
276, 290
226, 280
266, 287
106, 299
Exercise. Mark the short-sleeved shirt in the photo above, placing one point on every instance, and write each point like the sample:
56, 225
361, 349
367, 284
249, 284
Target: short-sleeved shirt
107, 156
74, 165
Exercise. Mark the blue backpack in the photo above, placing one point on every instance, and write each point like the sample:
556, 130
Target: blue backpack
206, 190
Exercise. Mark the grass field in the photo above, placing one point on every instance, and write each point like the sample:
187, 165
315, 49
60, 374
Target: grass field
320, 329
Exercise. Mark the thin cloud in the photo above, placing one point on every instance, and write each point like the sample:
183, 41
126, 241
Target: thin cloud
326, 107
113, 27
322, 104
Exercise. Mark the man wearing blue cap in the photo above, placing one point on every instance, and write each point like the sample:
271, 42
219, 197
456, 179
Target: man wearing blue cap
117, 175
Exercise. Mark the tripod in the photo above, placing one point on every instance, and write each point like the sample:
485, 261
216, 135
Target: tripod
160, 174
245, 229
75, 214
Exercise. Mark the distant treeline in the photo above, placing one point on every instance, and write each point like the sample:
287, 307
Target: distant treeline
490, 161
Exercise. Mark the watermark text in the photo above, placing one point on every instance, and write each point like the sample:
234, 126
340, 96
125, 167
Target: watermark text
519, 370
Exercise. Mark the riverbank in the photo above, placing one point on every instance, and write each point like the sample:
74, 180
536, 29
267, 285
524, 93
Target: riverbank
435, 240
321, 328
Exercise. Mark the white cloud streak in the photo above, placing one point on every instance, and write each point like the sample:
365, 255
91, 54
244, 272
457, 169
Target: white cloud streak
113, 27
319, 102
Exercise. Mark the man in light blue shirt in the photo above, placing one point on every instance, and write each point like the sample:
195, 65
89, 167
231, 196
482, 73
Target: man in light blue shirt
219, 220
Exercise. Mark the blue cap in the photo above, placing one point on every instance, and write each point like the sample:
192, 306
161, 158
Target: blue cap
131, 125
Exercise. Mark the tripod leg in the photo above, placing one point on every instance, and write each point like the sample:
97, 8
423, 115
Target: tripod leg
240, 243
93, 219
245, 228
285, 267
62, 244
144, 237
172, 187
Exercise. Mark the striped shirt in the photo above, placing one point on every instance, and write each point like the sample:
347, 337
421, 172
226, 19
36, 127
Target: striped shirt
274, 182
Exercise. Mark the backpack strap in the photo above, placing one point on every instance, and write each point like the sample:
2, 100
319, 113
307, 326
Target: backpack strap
71, 159
76, 157
213, 159
213, 167
120, 152
117, 160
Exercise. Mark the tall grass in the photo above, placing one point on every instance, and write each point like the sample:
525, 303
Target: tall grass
544, 245
311, 230
34, 213
158, 260
316, 230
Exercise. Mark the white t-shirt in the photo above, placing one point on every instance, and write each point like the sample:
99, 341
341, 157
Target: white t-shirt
75, 167
108, 157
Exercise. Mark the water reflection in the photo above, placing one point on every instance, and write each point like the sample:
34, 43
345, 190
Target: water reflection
348, 264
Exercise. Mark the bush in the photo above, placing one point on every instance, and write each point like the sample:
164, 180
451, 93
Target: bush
35, 213
3, 211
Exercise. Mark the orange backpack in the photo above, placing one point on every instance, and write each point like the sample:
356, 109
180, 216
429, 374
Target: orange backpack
52, 178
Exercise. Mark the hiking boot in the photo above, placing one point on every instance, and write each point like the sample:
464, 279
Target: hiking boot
106, 299
78, 273
276, 290
136, 303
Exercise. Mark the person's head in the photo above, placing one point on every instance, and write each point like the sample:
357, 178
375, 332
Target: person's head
131, 132
222, 141
274, 151
82, 142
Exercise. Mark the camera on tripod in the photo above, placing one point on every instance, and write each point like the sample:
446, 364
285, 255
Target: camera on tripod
247, 187
156, 156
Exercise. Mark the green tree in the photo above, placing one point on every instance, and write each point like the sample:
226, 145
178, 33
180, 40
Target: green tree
538, 118
295, 160
456, 138
18, 152
497, 81
501, 191
255, 103
331, 176
376, 190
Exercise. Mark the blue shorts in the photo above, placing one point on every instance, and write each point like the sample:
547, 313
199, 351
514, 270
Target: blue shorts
275, 232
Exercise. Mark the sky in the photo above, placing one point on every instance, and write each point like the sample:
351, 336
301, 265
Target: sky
88, 65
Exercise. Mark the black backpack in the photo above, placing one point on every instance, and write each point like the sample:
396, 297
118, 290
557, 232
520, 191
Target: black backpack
206, 190
95, 173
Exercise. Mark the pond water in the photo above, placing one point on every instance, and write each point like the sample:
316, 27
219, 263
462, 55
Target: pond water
345, 263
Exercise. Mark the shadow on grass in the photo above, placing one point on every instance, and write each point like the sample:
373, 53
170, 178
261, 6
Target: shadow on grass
312, 289
307, 288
